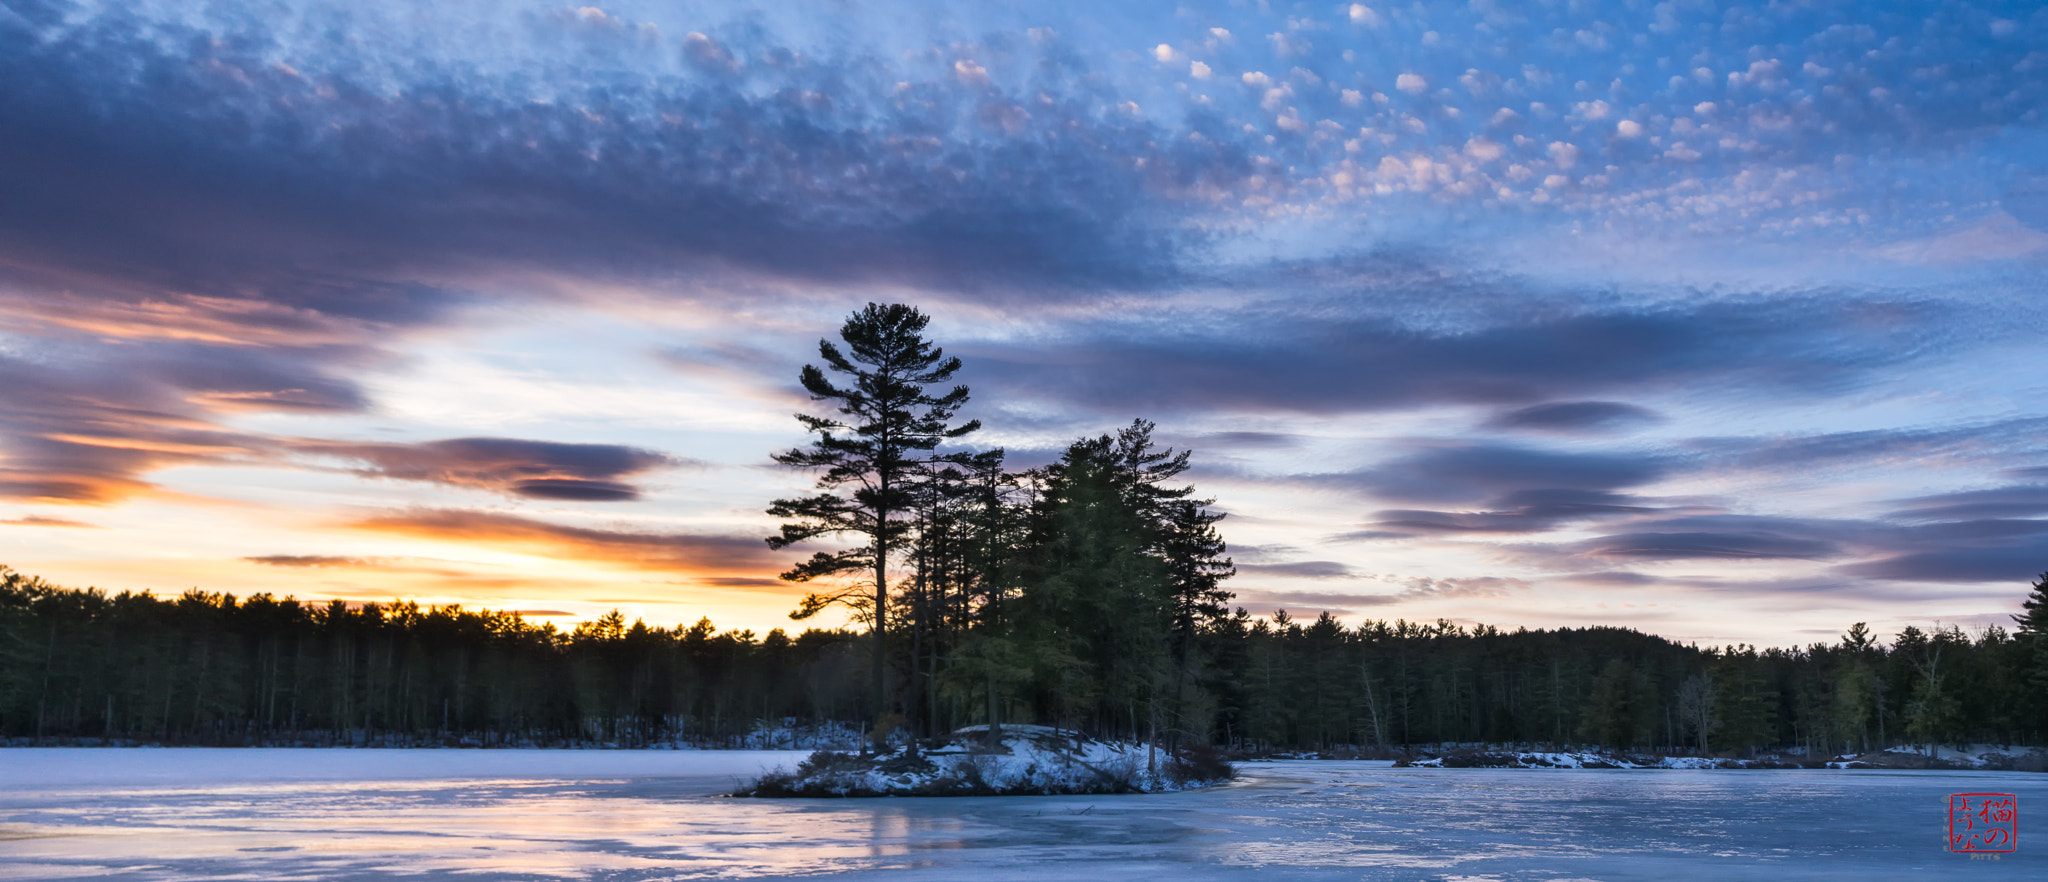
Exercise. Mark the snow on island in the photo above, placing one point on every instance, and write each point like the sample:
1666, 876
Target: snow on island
1025, 761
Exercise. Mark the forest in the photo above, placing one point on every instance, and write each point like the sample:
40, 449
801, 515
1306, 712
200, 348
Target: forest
82, 665
1086, 593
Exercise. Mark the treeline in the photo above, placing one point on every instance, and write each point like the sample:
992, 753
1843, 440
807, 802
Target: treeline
210, 669
1322, 685
207, 668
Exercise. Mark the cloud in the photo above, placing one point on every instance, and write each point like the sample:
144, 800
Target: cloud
82, 426
1543, 481
1304, 360
1722, 536
225, 152
1306, 569
176, 155
2002, 502
1472, 586
1976, 550
1335, 603
533, 469
1995, 441
2026, 199
1248, 440
445, 572
740, 582
624, 549
310, 561
1703, 545
1917, 547
86, 433
1520, 511
708, 55
41, 521
1611, 577
2014, 564
1576, 417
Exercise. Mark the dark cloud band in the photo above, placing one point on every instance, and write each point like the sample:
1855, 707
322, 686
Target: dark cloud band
533, 469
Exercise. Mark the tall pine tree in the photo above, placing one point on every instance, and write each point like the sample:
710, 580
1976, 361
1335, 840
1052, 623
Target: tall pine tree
2033, 639
889, 420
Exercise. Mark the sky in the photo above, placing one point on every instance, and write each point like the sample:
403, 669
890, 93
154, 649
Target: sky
1719, 321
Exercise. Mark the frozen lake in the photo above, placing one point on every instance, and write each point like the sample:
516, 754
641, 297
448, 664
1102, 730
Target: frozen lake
629, 815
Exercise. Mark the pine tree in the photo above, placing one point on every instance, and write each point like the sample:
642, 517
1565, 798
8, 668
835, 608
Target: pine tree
891, 421
1094, 599
2034, 622
2033, 648
1195, 568
985, 662
1617, 711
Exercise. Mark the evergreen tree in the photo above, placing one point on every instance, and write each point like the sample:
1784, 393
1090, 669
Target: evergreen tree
1931, 707
1115, 554
1195, 568
891, 421
2033, 635
986, 663
1746, 702
1618, 710
1094, 599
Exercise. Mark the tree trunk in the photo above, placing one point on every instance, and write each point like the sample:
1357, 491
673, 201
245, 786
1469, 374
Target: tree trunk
880, 686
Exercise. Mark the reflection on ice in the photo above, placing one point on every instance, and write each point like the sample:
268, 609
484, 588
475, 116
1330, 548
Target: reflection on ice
261, 814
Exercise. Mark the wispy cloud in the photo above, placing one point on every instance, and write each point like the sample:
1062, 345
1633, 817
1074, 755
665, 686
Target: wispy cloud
1315, 362
622, 549
1576, 417
42, 521
532, 469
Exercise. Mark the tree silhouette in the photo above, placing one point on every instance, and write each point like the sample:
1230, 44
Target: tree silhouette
889, 421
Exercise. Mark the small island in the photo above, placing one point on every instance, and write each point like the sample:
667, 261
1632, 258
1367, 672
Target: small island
1013, 761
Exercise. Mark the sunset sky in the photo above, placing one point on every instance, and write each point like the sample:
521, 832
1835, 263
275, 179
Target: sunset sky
1720, 321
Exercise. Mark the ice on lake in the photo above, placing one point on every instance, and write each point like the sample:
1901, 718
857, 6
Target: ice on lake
644, 815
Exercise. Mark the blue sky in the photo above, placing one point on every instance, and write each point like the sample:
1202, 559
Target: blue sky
1715, 320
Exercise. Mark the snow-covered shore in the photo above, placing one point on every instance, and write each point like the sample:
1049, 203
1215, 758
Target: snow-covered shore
1026, 760
1977, 757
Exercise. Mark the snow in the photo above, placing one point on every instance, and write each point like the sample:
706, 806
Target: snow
1576, 760
1973, 756
792, 735
639, 816
1979, 756
1026, 760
